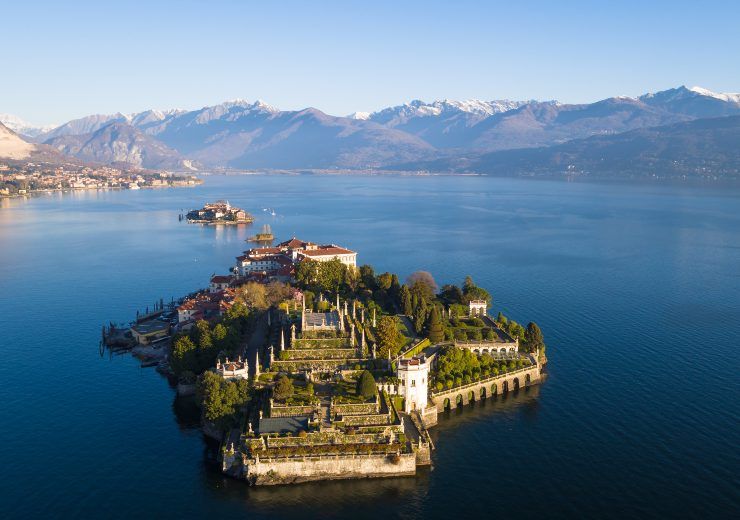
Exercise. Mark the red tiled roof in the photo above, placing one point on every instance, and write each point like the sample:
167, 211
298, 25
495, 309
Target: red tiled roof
294, 243
327, 251
263, 251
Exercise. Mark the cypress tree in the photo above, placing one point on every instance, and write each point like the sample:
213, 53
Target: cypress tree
533, 337
366, 386
406, 306
436, 331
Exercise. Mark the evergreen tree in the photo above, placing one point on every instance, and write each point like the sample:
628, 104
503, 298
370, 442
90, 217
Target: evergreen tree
533, 337
468, 284
219, 333
473, 292
436, 331
183, 355
406, 305
366, 386
283, 389
367, 276
451, 294
221, 399
388, 336
395, 287
420, 318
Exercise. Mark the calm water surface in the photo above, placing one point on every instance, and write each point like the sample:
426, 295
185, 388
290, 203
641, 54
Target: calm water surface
637, 289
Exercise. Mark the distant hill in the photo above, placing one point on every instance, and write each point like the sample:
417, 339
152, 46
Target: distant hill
119, 143
699, 148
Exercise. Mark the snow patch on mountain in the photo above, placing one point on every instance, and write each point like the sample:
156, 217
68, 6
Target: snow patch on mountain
18, 125
360, 116
724, 96
233, 110
419, 108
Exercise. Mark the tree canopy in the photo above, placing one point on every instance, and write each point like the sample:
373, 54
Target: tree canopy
389, 337
473, 292
283, 389
533, 337
222, 399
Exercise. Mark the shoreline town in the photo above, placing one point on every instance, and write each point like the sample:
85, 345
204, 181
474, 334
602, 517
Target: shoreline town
21, 180
307, 367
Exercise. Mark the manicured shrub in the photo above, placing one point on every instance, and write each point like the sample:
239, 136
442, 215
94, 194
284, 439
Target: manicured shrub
283, 389
366, 386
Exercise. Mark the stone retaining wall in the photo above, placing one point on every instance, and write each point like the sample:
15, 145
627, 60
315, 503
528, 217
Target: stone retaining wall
263, 472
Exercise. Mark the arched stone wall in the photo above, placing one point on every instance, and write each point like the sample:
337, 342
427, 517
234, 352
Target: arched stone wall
499, 385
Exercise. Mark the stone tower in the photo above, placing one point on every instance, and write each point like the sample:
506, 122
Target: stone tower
414, 376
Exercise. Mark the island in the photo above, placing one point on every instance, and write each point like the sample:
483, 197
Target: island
219, 212
264, 236
307, 367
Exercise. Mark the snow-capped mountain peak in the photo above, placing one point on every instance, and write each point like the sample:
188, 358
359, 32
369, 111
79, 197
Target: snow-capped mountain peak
419, 108
362, 116
724, 96
233, 110
19, 126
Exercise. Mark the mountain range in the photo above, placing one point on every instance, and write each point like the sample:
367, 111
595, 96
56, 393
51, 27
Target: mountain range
708, 147
442, 134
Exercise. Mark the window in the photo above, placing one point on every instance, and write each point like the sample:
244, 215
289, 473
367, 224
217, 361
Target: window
413, 382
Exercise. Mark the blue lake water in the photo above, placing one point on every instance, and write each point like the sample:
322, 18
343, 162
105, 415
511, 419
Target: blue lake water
636, 288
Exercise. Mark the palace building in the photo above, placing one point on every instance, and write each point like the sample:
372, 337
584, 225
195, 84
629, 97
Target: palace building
281, 258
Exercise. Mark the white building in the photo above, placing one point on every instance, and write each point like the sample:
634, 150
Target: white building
220, 282
414, 377
233, 369
327, 253
478, 307
288, 253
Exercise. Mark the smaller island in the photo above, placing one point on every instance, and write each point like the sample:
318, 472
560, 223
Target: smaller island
219, 212
263, 236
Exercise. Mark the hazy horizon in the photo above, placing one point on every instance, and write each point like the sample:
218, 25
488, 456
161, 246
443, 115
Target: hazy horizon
74, 59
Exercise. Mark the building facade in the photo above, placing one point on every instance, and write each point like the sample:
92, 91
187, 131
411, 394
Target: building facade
414, 383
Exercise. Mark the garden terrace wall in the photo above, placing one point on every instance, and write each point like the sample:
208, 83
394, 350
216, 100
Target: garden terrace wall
320, 343
326, 353
319, 439
415, 349
329, 449
355, 408
312, 364
366, 420
277, 410
289, 471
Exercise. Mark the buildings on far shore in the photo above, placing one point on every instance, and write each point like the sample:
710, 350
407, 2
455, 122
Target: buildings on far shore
280, 260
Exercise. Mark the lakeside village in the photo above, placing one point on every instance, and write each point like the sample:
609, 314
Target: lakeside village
306, 367
27, 178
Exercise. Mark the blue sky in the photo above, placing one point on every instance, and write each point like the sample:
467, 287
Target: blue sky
68, 59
